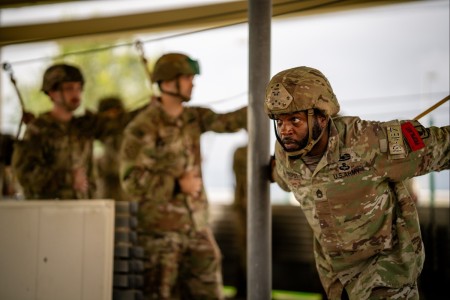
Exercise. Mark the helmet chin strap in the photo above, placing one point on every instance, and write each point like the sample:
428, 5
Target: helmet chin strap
177, 94
311, 143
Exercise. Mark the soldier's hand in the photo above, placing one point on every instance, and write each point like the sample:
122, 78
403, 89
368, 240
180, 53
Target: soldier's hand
80, 181
191, 183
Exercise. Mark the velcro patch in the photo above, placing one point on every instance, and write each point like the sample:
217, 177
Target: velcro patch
412, 136
395, 142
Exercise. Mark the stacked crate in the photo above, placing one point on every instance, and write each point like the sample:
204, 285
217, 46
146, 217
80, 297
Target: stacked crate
128, 256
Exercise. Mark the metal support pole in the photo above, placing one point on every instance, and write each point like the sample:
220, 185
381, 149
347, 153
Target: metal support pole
259, 238
1, 81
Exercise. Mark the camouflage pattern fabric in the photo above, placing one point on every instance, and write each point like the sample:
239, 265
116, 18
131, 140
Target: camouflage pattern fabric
194, 258
107, 165
366, 228
156, 150
50, 150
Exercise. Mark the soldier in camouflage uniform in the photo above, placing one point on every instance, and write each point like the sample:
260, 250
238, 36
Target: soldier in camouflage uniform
161, 168
107, 165
347, 175
54, 159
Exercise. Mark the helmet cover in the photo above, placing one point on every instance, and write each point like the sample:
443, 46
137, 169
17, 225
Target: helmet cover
110, 103
59, 73
171, 65
300, 89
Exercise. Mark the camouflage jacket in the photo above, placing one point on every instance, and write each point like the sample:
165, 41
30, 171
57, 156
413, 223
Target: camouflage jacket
156, 151
107, 164
355, 203
50, 150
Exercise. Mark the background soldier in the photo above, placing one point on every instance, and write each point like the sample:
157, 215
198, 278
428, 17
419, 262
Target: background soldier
161, 168
54, 159
347, 175
107, 164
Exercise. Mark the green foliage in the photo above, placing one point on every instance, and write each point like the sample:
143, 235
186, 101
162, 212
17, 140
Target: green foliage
35, 100
108, 72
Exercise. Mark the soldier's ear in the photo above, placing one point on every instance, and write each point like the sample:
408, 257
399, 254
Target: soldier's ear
51, 94
323, 121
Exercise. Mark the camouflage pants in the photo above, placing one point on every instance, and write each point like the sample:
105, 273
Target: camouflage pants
182, 266
336, 292
390, 274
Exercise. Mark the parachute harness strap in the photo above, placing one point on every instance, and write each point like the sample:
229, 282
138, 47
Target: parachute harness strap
311, 141
140, 49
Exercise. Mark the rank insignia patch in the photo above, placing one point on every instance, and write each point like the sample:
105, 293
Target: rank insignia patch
412, 136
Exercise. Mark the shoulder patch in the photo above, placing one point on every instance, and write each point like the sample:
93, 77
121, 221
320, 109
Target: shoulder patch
412, 136
423, 132
395, 142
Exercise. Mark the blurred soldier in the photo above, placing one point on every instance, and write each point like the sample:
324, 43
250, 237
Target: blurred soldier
107, 165
161, 168
240, 207
347, 175
54, 159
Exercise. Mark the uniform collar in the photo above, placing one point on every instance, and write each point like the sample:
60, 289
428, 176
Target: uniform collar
332, 152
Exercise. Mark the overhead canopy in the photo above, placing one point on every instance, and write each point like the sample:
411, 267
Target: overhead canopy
20, 3
205, 16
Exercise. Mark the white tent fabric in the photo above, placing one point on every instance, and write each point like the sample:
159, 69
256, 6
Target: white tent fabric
204, 16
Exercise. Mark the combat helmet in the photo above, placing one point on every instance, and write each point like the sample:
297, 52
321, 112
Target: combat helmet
108, 103
59, 73
171, 65
300, 89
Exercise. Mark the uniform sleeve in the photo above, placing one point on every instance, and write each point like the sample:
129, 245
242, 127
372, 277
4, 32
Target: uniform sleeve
146, 167
32, 161
100, 126
228, 122
425, 150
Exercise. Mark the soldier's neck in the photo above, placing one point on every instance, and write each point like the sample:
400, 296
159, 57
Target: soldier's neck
321, 146
61, 114
173, 106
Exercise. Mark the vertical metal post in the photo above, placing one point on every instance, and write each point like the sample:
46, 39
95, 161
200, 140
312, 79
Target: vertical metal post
259, 228
1, 81
1, 91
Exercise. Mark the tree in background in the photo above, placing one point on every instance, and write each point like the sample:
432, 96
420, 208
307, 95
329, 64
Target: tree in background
112, 71
108, 71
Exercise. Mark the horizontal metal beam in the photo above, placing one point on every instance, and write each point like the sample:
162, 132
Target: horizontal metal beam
205, 16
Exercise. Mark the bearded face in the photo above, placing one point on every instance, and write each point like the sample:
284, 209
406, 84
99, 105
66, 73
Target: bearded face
68, 96
293, 132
